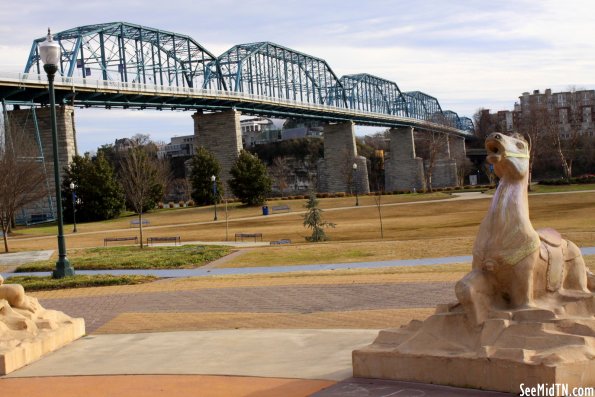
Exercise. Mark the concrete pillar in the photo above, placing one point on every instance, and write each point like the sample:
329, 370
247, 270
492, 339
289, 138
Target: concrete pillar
403, 170
22, 121
335, 172
220, 133
445, 167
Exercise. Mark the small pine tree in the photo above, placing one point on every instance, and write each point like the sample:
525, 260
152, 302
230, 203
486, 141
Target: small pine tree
204, 165
313, 220
250, 180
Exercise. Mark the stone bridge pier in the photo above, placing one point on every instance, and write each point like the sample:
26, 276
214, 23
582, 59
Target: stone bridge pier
220, 133
445, 166
403, 170
26, 122
335, 171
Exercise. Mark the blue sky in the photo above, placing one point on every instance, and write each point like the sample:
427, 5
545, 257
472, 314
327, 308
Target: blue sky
468, 54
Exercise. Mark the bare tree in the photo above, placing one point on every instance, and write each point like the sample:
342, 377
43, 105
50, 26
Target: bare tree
21, 177
140, 176
280, 171
429, 147
377, 201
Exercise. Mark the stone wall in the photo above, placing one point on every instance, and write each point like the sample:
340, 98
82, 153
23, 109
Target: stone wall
22, 121
220, 133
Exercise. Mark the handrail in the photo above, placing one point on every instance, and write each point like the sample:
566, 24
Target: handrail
143, 88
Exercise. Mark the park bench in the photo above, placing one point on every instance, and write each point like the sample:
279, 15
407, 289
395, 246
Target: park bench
136, 222
278, 208
174, 239
282, 241
114, 239
242, 235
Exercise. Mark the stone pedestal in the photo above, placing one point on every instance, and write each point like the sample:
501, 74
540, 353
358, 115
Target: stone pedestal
529, 347
25, 335
220, 133
403, 170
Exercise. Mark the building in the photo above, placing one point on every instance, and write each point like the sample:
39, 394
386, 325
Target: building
571, 110
258, 130
179, 146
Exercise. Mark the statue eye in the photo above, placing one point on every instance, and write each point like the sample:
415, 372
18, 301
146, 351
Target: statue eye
520, 145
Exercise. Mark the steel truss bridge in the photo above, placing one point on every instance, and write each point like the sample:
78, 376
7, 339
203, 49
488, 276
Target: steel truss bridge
131, 66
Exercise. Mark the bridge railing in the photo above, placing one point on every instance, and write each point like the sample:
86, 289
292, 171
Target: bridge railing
143, 88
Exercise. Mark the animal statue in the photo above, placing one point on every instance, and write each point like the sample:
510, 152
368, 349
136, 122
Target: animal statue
515, 266
14, 294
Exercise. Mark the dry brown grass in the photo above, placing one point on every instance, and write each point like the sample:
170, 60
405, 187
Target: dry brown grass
435, 223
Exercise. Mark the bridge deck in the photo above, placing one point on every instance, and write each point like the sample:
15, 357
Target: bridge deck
105, 93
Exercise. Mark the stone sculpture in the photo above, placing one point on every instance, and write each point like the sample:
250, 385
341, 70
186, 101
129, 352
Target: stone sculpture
27, 330
525, 312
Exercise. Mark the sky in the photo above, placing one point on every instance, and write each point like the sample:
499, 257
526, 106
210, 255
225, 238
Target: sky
469, 54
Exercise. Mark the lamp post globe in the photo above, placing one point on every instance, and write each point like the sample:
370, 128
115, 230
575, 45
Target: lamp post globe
72, 186
49, 52
214, 180
355, 183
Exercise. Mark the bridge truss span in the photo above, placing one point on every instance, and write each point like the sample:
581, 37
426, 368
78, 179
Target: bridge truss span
269, 69
126, 52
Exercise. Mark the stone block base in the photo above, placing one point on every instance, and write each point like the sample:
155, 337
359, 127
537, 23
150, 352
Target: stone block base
478, 373
31, 349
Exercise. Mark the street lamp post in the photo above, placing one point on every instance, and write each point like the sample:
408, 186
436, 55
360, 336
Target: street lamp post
49, 52
214, 180
72, 186
355, 183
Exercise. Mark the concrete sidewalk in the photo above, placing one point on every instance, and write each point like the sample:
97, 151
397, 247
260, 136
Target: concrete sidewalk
230, 363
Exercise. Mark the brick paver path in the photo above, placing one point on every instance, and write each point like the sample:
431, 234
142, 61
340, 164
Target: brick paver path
297, 299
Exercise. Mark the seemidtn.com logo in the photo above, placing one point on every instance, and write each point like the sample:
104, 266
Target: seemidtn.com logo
556, 390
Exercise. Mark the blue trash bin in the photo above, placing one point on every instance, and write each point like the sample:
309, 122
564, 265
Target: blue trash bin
265, 209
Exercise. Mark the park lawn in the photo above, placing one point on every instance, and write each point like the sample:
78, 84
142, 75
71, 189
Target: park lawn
35, 283
133, 257
349, 252
561, 188
430, 223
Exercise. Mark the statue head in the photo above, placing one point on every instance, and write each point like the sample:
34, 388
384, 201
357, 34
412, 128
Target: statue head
508, 154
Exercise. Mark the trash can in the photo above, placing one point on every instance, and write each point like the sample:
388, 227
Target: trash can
265, 209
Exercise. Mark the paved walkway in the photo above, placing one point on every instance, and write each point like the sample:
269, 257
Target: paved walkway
212, 271
257, 336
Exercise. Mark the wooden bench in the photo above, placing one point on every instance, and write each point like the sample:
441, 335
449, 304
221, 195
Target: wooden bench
282, 241
175, 239
113, 239
242, 235
136, 223
283, 207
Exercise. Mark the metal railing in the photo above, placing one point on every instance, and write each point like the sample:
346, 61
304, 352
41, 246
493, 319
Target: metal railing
153, 89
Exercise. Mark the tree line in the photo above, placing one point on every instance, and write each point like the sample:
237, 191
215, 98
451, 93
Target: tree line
129, 176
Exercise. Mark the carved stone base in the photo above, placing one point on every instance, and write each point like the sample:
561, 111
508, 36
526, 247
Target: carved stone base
27, 335
529, 347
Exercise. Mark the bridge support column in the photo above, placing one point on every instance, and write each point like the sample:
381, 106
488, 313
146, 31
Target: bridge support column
23, 121
459, 155
445, 167
220, 133
335, 171
403, 170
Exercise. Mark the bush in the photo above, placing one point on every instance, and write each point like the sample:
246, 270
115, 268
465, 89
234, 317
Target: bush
190, 203
170, 204
580, 180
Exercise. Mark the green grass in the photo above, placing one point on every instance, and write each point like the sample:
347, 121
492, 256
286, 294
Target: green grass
561, 188
182, 257
33, 283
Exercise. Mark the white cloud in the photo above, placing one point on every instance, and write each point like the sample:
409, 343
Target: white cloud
467, 53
